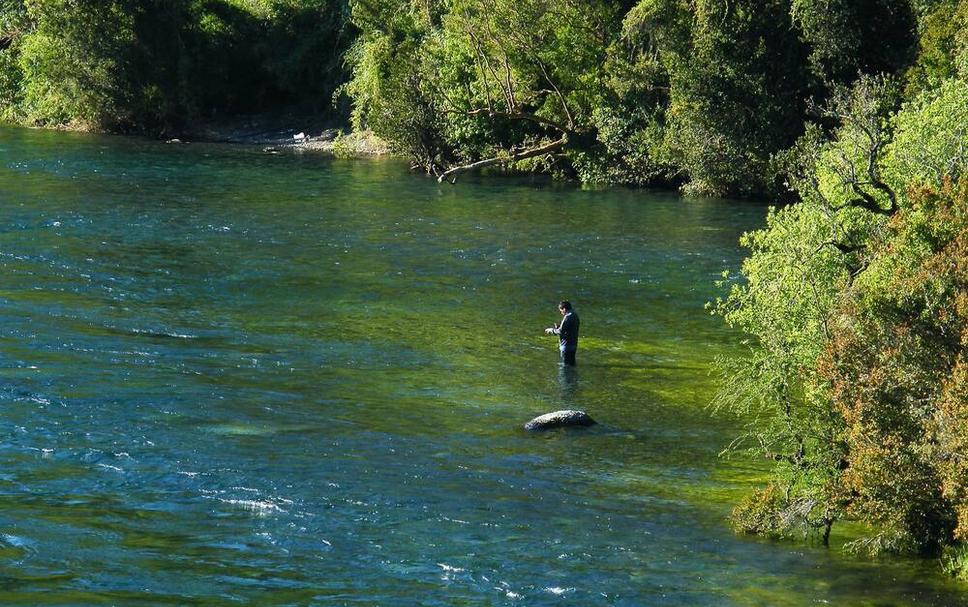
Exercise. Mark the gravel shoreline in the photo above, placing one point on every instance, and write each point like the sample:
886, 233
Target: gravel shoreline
308, 135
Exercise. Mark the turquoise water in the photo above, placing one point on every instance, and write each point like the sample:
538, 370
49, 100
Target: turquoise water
237, 378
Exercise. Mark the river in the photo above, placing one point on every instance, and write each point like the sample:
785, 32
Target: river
232, 377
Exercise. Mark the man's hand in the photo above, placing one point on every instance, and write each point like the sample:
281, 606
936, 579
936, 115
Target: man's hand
550, 330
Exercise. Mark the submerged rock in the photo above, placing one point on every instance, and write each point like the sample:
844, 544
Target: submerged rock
558, 419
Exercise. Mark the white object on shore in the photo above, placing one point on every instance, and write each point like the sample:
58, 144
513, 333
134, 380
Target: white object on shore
299, 136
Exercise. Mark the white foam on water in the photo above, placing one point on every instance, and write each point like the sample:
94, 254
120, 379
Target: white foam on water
258, 507
19, 542
455, 520
16, 541
506, 589
558, 590
171, 334
239, 430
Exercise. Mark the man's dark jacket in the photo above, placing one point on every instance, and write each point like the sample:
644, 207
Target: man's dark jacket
568, 331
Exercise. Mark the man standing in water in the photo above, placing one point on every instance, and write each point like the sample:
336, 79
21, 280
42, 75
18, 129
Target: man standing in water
567, 332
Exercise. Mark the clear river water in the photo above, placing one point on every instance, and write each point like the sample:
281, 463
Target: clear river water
237, 378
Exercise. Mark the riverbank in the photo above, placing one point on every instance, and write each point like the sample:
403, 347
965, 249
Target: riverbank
275, 133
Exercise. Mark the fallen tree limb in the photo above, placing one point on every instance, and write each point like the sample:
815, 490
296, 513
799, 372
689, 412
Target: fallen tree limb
452, 173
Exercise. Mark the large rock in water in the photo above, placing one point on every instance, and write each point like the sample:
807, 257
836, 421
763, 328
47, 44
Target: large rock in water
558, 419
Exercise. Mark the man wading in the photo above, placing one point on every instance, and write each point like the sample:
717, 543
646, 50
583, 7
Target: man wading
567, 332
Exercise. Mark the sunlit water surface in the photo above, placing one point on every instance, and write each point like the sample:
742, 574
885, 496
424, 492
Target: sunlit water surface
232, 378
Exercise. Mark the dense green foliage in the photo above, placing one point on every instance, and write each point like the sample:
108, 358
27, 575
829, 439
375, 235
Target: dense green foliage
158, 64
696, 93
856, 301
651, 92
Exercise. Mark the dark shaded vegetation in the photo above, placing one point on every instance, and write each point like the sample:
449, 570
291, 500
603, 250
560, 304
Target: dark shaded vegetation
154, 66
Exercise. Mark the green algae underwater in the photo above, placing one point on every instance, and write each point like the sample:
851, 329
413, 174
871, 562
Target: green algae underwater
238, 378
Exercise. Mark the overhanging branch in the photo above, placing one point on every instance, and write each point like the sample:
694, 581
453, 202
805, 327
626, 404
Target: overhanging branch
548, 148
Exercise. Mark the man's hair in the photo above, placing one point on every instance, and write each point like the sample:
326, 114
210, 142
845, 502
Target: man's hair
564, 305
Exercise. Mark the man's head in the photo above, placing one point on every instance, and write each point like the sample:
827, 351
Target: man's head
564, 306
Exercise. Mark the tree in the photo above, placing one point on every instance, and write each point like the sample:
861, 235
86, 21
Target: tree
942, 25
70, 60
891, 366
156, 65
738, 92
13, 25
391, 85
847, 37
799, 266
855, 300
497, 82
895, 362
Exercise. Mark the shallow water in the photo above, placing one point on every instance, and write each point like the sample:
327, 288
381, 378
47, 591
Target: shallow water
238, 378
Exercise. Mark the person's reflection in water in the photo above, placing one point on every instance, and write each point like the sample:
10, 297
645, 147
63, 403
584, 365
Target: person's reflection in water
568, 383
